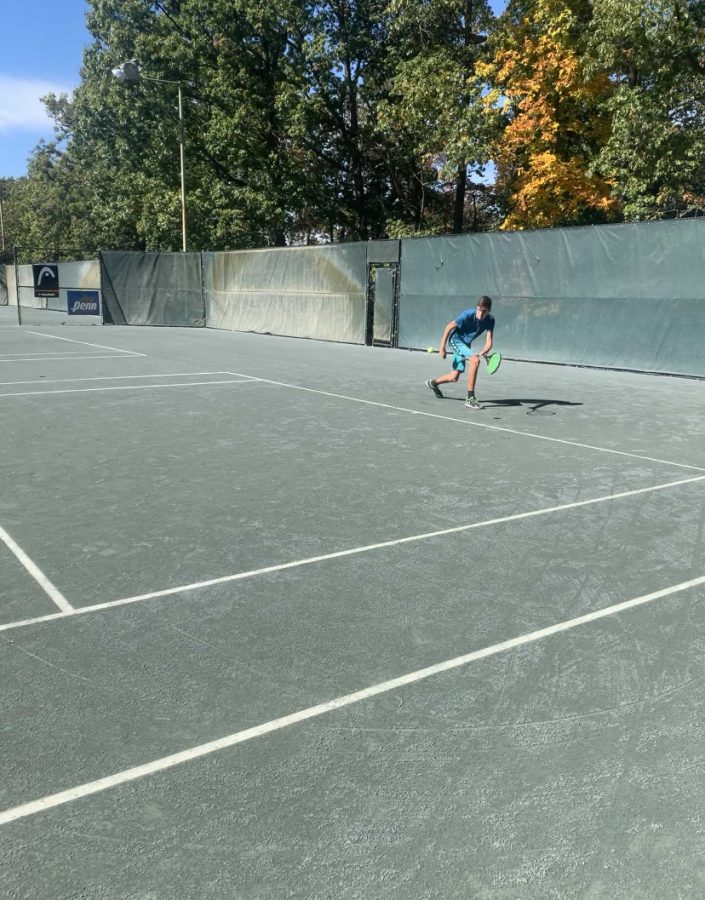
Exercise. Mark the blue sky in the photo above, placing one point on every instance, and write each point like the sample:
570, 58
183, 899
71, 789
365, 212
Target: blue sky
42, 45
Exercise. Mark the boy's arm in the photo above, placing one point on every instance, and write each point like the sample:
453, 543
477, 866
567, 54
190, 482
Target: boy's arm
488, 344
450, 327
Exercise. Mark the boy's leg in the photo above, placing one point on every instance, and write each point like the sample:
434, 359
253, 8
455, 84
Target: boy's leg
442, 379
461, 352
445, 379
473, 366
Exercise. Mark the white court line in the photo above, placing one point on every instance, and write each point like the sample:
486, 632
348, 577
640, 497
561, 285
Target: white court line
43, 353
83, 358
36, 573
124, 387
240, 737
40, 357
56, 337
420, 412
110, 378
339, 554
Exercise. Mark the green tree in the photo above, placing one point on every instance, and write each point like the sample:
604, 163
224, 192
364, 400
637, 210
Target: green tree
346, 74
11, 211
655, 153
435, 107
122, 140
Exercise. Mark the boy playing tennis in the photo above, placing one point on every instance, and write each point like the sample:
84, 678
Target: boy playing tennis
461, 332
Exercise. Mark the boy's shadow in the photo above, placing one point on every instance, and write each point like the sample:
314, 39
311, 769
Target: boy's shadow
535, 406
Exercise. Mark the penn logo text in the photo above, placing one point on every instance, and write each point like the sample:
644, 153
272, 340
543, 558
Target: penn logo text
83, 303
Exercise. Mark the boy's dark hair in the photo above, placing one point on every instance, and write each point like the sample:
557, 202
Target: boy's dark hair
486, 302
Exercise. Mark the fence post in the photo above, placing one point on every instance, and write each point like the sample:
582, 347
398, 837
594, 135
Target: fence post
15, 257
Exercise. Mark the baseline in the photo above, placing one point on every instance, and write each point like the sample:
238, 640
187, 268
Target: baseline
61, 798
421, 412
340, 554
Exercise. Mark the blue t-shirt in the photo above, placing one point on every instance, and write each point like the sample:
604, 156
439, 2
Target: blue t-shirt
468, 326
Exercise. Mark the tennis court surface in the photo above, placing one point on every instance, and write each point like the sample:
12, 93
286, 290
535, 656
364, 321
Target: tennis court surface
277, 622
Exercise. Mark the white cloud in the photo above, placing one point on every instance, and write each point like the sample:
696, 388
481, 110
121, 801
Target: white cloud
20, 106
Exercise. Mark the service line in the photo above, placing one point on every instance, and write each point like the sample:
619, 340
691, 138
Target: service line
124, 387
56, 337
125, 776
83, 358
340, 554
110, 378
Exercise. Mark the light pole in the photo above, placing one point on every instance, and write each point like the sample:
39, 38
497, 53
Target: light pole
2, 229
2, 222
130, 73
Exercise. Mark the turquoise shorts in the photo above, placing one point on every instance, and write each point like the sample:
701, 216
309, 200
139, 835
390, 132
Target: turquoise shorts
461, 352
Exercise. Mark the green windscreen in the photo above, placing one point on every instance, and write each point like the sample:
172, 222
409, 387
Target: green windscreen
314, 292
624, 296
153, 288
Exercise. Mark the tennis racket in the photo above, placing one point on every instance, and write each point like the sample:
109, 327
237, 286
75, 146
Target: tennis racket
493, 360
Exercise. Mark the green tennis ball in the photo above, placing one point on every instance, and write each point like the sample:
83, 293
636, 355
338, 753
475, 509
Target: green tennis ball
430, 349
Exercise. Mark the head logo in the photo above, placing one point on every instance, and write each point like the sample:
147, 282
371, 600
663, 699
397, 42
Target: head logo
46, 280
45, 272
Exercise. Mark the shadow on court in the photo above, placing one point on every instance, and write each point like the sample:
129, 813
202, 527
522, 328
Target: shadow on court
534, 406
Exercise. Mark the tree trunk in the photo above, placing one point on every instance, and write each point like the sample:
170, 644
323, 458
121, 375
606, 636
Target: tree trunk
459, 208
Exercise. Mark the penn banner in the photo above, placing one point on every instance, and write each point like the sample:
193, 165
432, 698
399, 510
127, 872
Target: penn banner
83, 303
46, 279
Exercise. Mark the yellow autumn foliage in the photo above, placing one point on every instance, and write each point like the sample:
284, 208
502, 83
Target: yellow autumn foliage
538, 81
